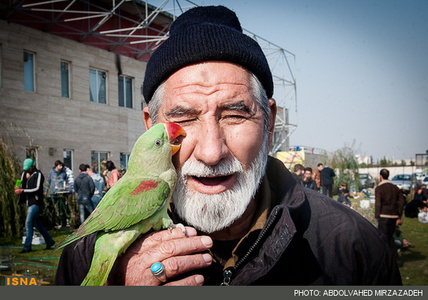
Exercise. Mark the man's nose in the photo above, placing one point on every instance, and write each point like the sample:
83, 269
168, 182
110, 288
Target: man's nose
211, 145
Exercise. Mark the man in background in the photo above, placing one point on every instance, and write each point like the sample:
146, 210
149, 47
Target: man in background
327, 180
99, 185
298, 172
31, 193
84, 186
389, 202
307, 180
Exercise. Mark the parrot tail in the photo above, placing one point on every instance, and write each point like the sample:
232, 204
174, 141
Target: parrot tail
99, 271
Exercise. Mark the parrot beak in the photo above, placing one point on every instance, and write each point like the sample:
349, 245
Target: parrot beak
174, 132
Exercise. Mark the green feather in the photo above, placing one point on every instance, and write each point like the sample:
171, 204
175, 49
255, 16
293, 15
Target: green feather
134, 205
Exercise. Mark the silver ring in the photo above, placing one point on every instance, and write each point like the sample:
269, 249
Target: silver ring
158, 271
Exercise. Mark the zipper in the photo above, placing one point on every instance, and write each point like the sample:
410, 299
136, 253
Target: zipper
231, 271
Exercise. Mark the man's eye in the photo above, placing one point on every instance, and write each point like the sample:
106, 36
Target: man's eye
237, 118
184, 122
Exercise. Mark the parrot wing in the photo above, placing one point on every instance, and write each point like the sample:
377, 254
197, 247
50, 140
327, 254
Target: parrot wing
127, 203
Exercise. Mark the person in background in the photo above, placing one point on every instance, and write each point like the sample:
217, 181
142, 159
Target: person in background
400, 242
99, 185
307, 181
317, 176
419, 196
114, 175
327, 179
85, 189
298, 172
344, 195
31, 193
58, 186
389, 202
423, 215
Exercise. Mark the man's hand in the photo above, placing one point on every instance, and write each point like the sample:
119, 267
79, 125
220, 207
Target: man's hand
177, 252
18, 190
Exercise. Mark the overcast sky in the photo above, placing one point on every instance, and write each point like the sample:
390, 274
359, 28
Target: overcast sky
361, 69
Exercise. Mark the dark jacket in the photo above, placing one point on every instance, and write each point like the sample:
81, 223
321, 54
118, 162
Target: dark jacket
33, 188
308, 239
389, 200
327, 175
84, 186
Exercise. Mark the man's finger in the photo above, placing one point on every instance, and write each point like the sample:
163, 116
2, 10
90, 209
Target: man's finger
194, 280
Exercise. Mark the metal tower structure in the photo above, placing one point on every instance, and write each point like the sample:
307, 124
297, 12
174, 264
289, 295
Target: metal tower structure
136, 28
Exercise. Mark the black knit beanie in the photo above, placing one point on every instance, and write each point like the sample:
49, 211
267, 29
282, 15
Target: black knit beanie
201, 34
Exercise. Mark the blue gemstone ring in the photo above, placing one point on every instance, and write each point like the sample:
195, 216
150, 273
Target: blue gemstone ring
158, 271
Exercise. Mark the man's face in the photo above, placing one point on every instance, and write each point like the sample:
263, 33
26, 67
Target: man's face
214, 104
59, 167
320, 167
307, 175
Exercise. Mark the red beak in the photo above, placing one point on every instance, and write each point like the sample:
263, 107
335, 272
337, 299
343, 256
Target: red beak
174, 132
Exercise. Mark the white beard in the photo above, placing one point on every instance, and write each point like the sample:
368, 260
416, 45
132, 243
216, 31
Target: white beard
213, 212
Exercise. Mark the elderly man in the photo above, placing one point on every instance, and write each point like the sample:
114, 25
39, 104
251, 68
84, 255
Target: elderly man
251, 222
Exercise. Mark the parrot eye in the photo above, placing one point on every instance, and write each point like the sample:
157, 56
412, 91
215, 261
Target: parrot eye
158, 143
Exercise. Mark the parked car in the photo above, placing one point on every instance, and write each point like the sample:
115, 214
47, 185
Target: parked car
366, 180
425, 182
403, 181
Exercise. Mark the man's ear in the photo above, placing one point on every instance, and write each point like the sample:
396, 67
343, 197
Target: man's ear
272, 118
147, 118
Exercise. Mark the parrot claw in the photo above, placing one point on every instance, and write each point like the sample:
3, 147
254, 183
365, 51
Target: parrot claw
173, 226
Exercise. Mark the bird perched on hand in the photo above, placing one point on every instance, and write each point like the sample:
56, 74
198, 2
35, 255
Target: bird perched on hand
137, 203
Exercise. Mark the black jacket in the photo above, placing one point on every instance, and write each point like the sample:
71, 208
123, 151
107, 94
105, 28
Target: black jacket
327, 175
308, 239
84, 186
33, 188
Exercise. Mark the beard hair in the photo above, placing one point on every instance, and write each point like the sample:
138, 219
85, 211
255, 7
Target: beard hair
213, 212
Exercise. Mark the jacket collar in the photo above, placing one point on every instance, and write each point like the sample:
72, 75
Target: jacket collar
384, 181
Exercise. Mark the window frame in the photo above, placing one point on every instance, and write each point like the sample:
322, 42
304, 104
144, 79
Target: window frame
33, 71
104, 75
123, 90
71, 158
68, 79
97, 164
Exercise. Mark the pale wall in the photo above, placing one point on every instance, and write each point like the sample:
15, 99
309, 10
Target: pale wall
46, 119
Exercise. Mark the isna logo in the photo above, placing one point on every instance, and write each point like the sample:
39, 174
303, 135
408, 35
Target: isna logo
21, 281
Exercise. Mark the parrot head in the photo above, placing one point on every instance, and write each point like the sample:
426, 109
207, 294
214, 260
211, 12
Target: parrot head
154, 149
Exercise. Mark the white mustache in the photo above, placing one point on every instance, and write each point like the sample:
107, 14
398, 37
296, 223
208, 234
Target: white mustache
223, 168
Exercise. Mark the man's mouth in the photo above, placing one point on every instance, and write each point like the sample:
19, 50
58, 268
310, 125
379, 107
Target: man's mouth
213, 180
211, 184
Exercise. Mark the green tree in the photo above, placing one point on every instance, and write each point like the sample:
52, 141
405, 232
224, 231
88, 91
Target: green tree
343, 161
12, 215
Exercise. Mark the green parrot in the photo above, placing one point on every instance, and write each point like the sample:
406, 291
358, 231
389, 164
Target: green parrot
137, 203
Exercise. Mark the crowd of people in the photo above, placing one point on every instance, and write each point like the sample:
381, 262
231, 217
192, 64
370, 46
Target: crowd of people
390, 201
60, 189
321, 180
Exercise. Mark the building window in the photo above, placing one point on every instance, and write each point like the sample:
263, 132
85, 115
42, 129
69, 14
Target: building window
29, 75
97, 158
68, 158
65, 80
125, 91
124, 158
97, 86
